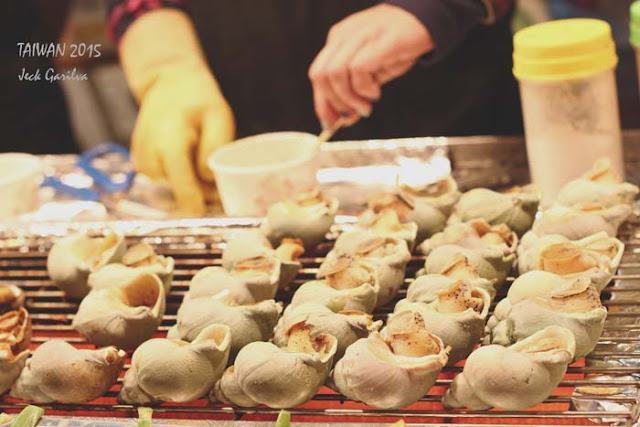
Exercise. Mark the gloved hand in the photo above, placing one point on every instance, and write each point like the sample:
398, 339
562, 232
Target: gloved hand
363, 52
183, 115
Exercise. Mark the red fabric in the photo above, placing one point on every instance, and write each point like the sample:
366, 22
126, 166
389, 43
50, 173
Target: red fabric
121, 13
502, 7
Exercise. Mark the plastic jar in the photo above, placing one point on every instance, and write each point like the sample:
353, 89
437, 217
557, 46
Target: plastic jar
569, 99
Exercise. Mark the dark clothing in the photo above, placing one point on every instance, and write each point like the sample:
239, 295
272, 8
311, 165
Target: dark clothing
449, 21
33, 115
121, 13
260, 52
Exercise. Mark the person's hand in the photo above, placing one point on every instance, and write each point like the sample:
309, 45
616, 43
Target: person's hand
363, 52
183, 115
182, 120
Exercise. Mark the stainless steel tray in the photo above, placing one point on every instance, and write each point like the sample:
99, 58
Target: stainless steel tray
482, 161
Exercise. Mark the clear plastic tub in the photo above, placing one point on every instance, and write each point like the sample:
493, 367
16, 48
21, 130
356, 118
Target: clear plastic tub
255, 172
20, 177
569, 100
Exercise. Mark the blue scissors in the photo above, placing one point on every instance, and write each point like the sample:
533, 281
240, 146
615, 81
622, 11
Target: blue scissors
100, 179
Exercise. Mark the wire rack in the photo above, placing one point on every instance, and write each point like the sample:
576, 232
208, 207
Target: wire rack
601, 389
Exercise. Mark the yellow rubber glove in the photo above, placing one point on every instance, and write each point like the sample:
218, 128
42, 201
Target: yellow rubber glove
183, 115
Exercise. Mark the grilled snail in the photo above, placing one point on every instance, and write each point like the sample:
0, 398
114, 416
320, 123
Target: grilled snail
264, 374
11, 298
349, 284
387, 223
124, 314
601, 185
247, 323
516, 208
308, 217
596, 257
516, 377
15, 337
476, 234
59, 372
394, 368
575, 306
138, 258
456, 315
171, 370
390, 255
346, 326
73, 258
428, 206
581, 221
249, 254
489, 264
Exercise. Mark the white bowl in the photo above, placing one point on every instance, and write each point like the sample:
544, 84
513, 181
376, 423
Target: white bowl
20, 177
255, 172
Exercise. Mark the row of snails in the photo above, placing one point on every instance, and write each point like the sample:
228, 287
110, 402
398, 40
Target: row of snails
446, 309
123, 294
552, 314
227, 309
328, 323
238, 297
289, 369
56, 371
124, 301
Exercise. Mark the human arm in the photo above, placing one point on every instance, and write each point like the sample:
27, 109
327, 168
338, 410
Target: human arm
370, 48
183, 114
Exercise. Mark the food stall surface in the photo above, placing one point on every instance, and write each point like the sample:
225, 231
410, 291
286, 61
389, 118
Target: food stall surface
600, 389
55, 421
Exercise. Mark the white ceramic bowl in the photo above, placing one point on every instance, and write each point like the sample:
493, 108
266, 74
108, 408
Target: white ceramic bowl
20, 177
255, 172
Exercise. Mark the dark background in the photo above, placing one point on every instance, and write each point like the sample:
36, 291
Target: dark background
78, 115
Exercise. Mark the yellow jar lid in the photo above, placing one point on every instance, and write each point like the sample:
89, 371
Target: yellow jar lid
564, 49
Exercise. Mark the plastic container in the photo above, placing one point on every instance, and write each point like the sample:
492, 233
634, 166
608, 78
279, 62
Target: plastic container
569, 99
20, 177
634, 32
255, 172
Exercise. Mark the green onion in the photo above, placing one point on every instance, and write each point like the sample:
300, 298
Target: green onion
144, 417
29, 417
284, 419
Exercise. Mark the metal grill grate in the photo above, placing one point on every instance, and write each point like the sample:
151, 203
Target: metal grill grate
603, 388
